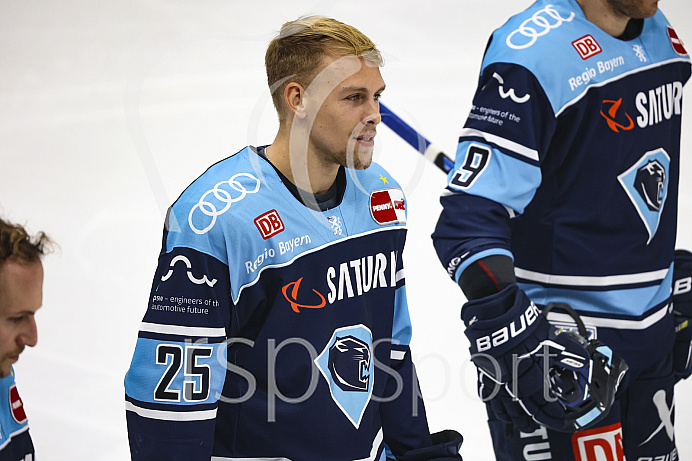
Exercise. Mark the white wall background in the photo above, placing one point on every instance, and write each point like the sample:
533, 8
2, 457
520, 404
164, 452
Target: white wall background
109, 109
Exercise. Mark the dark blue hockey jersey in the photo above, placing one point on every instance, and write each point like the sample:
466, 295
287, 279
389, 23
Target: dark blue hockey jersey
273, 330
15, 441
569, 163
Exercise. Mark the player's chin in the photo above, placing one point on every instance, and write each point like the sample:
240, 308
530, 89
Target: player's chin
363, 160
358, 157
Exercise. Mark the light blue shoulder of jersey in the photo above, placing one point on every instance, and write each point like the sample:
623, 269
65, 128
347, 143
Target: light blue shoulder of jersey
568, 54
13, 419
203, 217
370, 186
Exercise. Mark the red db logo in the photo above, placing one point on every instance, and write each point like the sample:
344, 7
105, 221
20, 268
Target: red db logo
603, 443
269, 224
586, 47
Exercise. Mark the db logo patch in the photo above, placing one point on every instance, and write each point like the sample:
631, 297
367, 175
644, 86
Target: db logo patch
586, 47
676, 42
600, 444
388, 206
16, 405
269, 224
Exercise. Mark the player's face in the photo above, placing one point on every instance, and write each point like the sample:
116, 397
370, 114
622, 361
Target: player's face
638, 9
348, 111
21, 295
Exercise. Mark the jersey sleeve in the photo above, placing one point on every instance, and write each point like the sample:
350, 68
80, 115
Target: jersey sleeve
179, 364
497, 168
404, 421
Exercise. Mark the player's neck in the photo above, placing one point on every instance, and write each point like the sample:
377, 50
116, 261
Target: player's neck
292, 154
604, 17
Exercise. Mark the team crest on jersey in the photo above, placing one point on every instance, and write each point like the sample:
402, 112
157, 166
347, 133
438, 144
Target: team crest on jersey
347, 366
388, 206
646, 184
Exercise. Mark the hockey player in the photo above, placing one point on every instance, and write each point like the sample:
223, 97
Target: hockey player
565, 190
277, 326
21, 295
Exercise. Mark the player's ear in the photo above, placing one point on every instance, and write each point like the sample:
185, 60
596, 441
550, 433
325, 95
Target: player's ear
294, 96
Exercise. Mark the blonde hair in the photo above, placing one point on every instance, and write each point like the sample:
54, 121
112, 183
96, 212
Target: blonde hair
296, 53
17, 244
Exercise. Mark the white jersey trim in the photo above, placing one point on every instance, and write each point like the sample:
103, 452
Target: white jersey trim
375, 447
180, 330
620, 324
313, 250
171, 415
591, 281
615, 78
502, 142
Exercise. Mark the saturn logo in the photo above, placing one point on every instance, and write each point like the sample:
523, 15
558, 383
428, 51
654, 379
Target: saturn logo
292, 296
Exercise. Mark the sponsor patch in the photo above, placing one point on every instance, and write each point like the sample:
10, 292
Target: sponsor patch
676, 42
586, 47
269, 224
388, 206
602, 443
16, 405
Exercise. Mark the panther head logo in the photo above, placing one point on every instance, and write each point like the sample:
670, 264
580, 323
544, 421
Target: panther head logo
349, 364
650, 183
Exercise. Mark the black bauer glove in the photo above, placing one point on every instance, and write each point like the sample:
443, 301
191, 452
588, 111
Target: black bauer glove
532, 373
682, 310
446, 445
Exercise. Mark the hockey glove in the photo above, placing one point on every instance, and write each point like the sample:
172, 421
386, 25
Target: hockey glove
530, 372
682, 309
446, 445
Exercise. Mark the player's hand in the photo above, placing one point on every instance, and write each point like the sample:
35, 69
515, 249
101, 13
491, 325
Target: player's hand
682, 309
530, 372
446, 445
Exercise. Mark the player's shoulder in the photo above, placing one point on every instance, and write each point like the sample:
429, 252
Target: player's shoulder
238, 171
553, 41
374, 177
218, 195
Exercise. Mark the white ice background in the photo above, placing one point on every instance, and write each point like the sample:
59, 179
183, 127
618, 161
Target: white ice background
108, 109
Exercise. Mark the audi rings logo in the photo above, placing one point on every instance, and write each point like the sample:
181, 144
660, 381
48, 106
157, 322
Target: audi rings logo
542, 22
223, 199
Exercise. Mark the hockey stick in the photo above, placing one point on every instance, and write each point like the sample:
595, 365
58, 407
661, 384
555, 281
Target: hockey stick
415, 139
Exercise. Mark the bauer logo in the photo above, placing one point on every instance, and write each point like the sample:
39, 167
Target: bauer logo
269, 224
676, 42
388, 206
586, 47
16, 405
600, 443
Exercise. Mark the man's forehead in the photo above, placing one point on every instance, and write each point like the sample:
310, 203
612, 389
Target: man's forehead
346, 71
19, 278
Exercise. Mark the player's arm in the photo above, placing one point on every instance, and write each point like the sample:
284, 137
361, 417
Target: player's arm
682, 308
178, 367
404, 421
496, 175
